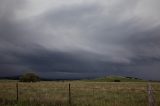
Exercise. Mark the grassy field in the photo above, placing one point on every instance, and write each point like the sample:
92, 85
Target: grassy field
83, 93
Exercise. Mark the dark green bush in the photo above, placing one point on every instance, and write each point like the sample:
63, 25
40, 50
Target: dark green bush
117, 80
29, 77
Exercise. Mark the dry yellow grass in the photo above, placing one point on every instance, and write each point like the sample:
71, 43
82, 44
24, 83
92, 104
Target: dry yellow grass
82, 93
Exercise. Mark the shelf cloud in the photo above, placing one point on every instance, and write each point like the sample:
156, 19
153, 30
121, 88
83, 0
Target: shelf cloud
79, 39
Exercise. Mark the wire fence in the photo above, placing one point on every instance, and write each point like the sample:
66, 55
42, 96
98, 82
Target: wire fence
69, 95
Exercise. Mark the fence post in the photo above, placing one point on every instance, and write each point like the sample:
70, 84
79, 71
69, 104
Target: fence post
69, 99
151, 99
93, 91
17, 90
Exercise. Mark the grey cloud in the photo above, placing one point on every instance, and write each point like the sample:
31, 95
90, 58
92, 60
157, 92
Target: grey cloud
81, 40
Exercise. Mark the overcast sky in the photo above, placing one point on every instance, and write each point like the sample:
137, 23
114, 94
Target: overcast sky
80, 38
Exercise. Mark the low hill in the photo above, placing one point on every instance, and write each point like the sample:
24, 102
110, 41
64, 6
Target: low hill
100, 79
118, 79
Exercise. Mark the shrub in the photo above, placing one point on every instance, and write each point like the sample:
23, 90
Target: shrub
117, 81
29, 77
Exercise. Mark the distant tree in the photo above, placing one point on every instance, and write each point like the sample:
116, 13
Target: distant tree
29, 77
117, 80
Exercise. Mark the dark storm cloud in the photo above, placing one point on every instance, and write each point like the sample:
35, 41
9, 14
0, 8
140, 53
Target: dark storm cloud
80, 39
